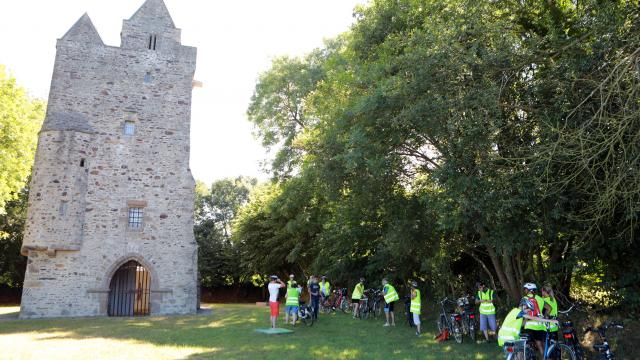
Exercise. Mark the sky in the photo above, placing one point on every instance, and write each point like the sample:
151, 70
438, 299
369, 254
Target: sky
236, 41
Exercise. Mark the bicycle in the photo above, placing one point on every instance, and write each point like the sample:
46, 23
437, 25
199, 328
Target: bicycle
466, 309
375, 303
408, 316
450, 321
363, 309
569, 335
338, 301
604, 349
305, 314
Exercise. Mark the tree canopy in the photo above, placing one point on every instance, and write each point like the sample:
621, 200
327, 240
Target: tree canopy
451, 141
20, 121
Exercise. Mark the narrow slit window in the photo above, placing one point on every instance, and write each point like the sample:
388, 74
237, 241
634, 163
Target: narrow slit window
62, 210
148, 78
129, 127
152, 42
82, 162
135, 218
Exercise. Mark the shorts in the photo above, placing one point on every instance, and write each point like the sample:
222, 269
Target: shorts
291, 309
416, 318
355, 301
274, 306
389, 307
537, 335
489, 320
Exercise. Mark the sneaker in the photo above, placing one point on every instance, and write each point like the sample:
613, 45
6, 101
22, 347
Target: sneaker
417, 334
386, 324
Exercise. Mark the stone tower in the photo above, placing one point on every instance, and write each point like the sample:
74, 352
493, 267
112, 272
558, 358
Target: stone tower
110, 220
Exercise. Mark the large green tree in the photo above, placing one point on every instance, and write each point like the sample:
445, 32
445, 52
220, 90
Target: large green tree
20, 120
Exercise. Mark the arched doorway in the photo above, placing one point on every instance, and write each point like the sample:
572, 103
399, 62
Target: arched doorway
129, 291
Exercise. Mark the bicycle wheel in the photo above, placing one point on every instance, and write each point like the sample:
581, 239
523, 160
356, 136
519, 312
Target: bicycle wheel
465, 325
561, 352
472, 330
457, 331
442, 323
344, 305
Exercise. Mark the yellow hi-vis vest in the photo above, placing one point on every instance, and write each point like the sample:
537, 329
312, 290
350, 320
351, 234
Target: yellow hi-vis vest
357, 292
391, 294
292, 297
554, 312
510, 329
325, 288
536, 325
486, 308
415, 303
289, 284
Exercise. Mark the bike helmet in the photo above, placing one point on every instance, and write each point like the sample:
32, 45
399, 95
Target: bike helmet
273, 277
361, 279
530, 286
414, 284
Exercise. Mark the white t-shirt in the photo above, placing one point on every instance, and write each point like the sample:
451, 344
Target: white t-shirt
274, 289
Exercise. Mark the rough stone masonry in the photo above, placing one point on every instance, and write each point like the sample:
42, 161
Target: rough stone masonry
111, 181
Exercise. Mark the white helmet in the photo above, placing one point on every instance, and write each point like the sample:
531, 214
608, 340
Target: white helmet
530, 286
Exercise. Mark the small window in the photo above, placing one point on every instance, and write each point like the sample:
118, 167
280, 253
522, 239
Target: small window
135, 218
148, 78
152, 42
82, 162
62, 210
129, 127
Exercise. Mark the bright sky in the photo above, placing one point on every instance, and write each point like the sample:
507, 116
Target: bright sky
236, 40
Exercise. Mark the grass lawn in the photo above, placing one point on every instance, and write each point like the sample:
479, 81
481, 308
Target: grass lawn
227, 333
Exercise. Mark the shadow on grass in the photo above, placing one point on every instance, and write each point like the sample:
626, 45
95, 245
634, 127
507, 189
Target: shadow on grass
229, 333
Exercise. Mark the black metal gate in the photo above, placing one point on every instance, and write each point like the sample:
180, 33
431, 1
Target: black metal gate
129, 291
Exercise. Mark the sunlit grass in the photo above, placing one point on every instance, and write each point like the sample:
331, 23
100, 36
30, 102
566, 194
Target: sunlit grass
227, 334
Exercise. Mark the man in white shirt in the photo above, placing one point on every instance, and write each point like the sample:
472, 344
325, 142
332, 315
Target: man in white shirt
274, 288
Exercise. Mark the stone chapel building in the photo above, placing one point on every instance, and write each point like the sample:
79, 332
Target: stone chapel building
110, 221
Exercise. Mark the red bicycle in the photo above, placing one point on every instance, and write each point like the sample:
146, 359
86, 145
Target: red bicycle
337, 301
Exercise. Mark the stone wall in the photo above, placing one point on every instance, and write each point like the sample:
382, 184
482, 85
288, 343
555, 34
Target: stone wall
87, 173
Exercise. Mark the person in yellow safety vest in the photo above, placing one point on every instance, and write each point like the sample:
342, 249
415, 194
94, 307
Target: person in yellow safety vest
416, 306
537, 329
325, 289
550, 299
292, 304
487, 310
290, 280
390, 298
356, 295
510, 329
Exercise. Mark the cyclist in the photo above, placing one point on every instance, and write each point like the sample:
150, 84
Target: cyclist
293, 302
415, 306
390, 297
325, 288
487, 310
510, 329
536, 329
356, 295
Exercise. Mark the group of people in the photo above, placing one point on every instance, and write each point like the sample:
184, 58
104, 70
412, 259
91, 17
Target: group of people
533, 314
318, 291
390, 298
537, 313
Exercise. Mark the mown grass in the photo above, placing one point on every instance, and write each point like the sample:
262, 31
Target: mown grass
228, 333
